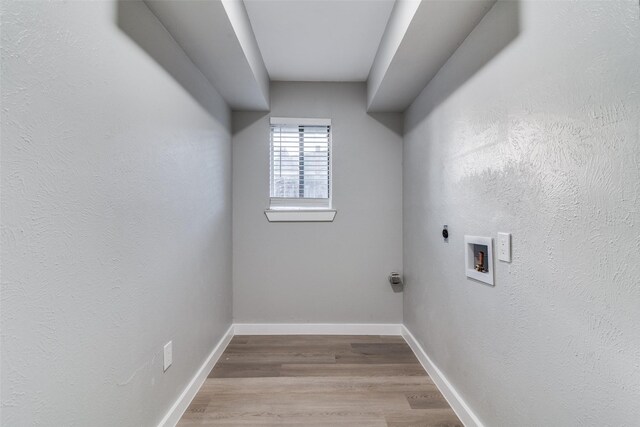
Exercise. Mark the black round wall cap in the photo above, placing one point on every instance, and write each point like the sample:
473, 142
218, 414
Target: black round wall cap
445, 233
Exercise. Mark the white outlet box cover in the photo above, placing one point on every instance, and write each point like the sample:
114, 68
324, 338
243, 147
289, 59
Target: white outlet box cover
473, 245
504, 247
168, 355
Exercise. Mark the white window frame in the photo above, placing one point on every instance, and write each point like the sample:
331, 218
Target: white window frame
301, 209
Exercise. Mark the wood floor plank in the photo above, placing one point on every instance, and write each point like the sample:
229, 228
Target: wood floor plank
271, 348
414, 385
314, 402
318, 380
424, 418
301, 418
297, 340
244, 370
278, 358
431, 399
355, 357
349, 370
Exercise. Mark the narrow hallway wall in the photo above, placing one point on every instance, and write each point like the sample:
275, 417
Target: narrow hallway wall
542, 142
116, 217
322, 272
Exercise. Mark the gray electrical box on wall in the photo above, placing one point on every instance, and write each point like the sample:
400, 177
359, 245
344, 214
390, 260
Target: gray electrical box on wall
395, 279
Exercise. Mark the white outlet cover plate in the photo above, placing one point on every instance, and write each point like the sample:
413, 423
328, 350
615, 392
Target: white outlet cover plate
168, 355
504, 247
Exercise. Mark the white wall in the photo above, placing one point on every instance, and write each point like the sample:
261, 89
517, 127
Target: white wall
542, 142
116, 217
320, 272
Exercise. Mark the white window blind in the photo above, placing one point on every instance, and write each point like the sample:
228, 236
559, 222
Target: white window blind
300, 172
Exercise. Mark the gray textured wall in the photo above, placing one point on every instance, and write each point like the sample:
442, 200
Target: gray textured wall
543, 142
116, 217
320, 272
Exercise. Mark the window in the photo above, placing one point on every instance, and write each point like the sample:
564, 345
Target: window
300, 172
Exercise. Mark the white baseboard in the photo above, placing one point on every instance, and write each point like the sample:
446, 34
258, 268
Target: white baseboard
462, 410
184, 400
317, 329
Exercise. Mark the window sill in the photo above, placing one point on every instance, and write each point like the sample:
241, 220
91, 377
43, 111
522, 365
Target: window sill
300, 215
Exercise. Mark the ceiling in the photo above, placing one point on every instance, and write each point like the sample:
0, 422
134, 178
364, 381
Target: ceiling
395, 46
318, 40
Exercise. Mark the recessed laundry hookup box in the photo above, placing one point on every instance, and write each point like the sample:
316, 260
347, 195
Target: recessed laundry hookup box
479, 258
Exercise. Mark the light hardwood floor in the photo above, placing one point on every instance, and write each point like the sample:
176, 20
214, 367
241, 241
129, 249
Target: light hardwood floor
311, 380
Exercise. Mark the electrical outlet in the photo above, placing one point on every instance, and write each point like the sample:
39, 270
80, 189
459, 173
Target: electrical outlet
504, 247
168, 355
